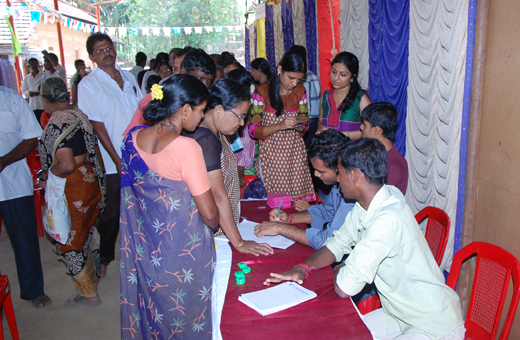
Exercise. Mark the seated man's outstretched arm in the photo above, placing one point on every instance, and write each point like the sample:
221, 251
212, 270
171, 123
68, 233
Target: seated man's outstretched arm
317, 260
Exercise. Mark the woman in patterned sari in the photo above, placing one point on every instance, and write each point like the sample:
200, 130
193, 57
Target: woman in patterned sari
279, 119
341, 106
68, 149
167, 209
228, 105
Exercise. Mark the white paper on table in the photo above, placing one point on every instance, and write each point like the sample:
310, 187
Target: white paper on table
277, 298
247, 231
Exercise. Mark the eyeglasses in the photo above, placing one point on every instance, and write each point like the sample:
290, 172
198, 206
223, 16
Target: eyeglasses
239, 117
108, 49
165, 70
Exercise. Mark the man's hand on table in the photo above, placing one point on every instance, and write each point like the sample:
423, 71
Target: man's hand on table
274, 216
301, 205
268, 229
254, 248
297, 274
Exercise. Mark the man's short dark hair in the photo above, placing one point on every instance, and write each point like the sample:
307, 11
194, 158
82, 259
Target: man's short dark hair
326, 147
52, 56
31, 60
78, 62
226, 58
94, 38
140, 58
384, 115
369, 156
199, 59
184, 51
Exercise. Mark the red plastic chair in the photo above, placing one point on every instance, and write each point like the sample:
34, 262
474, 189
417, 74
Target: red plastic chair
494, 269
437, 232
7, 304
33, 161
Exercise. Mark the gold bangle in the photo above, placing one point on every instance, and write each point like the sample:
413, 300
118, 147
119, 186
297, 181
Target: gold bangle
240, 244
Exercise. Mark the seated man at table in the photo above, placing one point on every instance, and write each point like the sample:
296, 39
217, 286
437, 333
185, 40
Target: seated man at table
386, 247
380, 122
324, 218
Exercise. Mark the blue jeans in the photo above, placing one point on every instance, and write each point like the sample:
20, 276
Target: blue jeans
19, 217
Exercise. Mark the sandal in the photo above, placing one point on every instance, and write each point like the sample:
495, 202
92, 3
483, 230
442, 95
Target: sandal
77, 300
41, 301
103, 268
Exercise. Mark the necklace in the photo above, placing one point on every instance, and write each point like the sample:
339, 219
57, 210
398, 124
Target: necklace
171, 127
337, 97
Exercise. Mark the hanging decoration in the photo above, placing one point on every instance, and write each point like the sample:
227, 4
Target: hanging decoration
260, 31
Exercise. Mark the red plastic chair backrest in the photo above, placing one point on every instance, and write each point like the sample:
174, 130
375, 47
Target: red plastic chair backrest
33, 161
494, 269
437, 230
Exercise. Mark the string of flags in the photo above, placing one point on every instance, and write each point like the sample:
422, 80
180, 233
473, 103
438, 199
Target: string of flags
39, 12
167, 31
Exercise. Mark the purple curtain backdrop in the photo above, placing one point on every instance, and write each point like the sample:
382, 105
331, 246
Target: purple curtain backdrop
388, 37
269, 37
256, 44
288, 29
247, 50
310, 34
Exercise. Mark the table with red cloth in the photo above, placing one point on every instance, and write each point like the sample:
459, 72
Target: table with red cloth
325, 317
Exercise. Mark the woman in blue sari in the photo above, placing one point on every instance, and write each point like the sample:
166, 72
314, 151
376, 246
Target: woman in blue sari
167, 249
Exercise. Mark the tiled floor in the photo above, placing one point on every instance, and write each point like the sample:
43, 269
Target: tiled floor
55, 321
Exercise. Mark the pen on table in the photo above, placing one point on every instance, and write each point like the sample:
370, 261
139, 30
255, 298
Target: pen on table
279, 207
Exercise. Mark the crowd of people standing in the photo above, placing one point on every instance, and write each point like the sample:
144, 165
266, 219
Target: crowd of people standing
159, 156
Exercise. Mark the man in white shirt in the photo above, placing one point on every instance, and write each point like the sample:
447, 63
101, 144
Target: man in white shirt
109, 97
387, 247
52, 67
140, 63
31, 88
18, 137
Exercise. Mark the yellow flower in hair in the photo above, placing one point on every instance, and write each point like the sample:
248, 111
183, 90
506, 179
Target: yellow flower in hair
157, 92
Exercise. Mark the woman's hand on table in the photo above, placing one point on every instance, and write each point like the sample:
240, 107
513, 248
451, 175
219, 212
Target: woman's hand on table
253, 248
297, 274
275, 216
301, 205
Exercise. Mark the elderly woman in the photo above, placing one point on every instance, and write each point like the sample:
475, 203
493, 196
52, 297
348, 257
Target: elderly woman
227, 107
68, 150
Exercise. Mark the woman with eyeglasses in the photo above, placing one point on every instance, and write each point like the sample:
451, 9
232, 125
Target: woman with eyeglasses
164, 69
227, 107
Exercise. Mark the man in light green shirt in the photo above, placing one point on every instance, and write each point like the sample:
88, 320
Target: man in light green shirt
390, 250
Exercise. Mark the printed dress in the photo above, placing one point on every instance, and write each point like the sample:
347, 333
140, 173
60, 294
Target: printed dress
334, 119
282, 157
167, 256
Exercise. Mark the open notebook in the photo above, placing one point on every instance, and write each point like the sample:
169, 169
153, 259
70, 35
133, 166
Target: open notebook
277, 298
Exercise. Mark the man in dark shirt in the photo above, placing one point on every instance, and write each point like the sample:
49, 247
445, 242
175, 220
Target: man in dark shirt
380, 122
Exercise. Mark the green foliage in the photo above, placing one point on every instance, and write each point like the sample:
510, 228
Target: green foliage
171, 13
